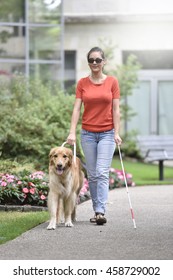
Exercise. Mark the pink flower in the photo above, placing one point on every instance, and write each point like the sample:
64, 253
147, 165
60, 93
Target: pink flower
10, 180
112, 170
3, 184
31, 184
43, 197
85, 181
25, 190
111, 181
19, 182
37, 174
10, 176
120, 177
32, 191
129, 176
83, 190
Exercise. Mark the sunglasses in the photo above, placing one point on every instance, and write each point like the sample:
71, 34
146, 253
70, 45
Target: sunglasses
97, 60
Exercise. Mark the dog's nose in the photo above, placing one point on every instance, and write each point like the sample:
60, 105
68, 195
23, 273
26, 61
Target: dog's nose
59, 165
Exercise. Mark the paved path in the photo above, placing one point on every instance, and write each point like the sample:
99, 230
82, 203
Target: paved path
117, 240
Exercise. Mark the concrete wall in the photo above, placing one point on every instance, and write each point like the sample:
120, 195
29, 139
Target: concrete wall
124, 35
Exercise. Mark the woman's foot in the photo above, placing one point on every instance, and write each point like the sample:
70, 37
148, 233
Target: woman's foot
93, 220
100, 219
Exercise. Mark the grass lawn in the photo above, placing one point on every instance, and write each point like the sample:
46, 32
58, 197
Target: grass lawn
14, 224
144, 173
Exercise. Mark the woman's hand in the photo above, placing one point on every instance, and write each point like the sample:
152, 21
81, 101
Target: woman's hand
71, 139
117, 139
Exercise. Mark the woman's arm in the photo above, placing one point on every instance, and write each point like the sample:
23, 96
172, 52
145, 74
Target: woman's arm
116, 120
71, 139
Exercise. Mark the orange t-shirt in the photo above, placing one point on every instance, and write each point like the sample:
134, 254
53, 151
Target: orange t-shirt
97, 99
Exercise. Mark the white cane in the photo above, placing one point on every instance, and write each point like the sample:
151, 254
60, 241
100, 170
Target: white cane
131, 209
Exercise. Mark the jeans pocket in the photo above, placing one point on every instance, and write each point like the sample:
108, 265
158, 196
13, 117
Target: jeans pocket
84, 132
87, 136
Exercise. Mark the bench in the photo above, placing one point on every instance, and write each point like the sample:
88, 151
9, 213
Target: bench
156, 148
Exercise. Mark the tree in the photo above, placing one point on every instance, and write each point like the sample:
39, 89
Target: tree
127, 75
128, 79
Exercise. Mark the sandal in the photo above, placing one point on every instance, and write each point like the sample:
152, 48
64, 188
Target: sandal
93, 220
100, 219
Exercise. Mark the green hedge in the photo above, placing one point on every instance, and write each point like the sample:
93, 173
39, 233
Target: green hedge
33, 120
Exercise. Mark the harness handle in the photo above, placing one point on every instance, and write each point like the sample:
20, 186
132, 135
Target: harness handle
74, 151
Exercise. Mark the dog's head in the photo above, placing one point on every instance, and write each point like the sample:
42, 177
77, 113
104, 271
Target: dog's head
60, 158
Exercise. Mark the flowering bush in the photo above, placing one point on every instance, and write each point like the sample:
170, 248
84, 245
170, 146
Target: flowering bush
32, 189
84, 193
116, 179
24, 188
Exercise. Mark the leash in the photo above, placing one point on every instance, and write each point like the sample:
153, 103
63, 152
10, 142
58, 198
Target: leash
74, 151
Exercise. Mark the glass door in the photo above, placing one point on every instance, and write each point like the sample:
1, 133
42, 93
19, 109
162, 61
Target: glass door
152, 101
139, 101
165, 107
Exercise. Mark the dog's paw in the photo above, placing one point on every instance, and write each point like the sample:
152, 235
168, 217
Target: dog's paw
68, 224
51, 226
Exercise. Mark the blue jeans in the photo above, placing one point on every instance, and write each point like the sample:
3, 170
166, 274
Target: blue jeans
98, 148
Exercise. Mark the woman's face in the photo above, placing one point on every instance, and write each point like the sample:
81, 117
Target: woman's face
96, 62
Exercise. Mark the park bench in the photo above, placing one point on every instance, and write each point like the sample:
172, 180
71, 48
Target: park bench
156, 148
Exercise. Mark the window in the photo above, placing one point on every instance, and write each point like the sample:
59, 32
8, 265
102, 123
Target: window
152, 102
152, 59
140, 102
31, 38
70, 68
12, 11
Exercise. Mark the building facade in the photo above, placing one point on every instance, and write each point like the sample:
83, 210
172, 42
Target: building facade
31, 39
50, 39
143, 28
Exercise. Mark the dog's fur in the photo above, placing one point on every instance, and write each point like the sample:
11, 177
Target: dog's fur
65, 183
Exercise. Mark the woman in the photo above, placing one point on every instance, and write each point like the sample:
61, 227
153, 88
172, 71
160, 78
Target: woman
100, 128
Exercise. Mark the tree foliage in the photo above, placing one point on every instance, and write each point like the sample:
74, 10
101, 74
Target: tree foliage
128, 80
127, 75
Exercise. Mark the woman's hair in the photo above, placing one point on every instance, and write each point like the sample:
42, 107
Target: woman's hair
96, 49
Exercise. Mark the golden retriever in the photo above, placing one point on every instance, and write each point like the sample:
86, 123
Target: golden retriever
65, 183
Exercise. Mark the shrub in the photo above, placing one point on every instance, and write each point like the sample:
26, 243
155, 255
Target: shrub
116, 179
25, 188
33, 122
32, 188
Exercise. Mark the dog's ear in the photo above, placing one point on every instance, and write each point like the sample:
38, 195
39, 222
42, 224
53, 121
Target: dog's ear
70, 156
52, 151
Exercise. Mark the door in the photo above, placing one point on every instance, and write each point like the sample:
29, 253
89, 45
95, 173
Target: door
152, 101
165, 107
